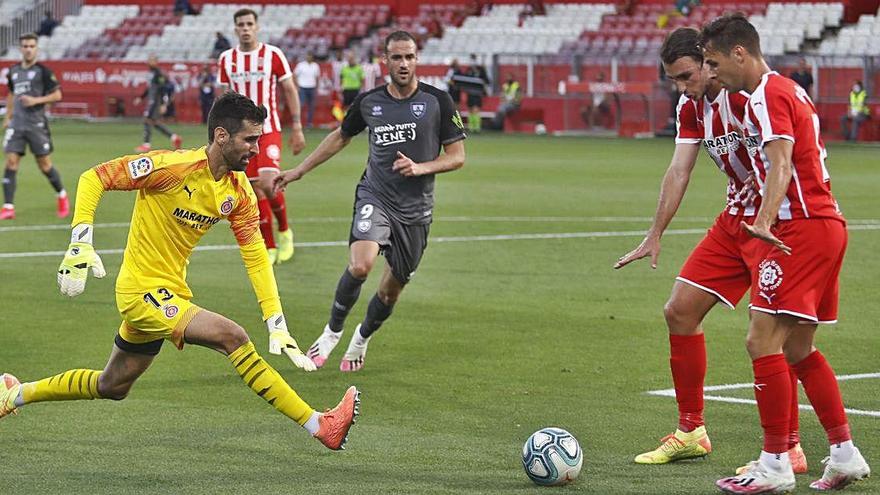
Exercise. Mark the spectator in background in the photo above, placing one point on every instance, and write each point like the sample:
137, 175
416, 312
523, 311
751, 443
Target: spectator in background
207, 84
372, 74
511, 98
183, 7
599, 108
803, 76
475, 93
48, 25
221, 44
307, 73
451, 86
336, 65
352, 80
857, 112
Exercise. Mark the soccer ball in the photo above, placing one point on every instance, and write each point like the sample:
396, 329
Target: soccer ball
552, 456
540, 129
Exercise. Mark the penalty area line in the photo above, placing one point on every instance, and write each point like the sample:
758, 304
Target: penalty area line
670, 392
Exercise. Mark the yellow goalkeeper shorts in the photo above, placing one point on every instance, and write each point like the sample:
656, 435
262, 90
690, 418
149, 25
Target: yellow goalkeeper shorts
154, 315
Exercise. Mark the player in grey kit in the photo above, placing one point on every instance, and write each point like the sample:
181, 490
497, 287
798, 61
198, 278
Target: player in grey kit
157, 101
409, 123
31, 86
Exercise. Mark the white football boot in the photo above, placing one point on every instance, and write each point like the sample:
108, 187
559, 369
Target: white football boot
321, 349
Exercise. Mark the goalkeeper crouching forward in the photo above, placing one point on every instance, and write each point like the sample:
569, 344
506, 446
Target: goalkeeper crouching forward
181, 195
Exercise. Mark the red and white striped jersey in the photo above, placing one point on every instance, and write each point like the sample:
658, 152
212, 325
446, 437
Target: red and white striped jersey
255, 74
780, 109
718, 124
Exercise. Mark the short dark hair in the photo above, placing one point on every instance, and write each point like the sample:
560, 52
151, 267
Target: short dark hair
243, 12
730, 30
230, 111
28, 36
399, 36
683, 42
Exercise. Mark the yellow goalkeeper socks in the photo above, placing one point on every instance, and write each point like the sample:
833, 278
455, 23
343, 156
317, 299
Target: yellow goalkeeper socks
77, 384
268, 384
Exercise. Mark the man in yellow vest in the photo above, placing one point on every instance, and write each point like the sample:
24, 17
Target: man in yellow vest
857, 112
511, 99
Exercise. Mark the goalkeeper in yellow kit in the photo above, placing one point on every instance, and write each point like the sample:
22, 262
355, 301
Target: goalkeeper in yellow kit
180, 196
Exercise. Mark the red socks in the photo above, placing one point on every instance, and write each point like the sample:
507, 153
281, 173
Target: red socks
266, 222
279, 208
820, 384
773, 393
687, 359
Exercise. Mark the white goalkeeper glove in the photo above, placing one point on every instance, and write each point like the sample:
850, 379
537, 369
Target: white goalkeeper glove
280, 340
80, 256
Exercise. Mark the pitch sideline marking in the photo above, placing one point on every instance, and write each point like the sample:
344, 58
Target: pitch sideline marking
473, 238
670, 392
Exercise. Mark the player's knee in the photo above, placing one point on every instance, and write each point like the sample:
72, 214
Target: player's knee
11, 164
387, 296
232, 336
678, 318
360, 268
112, 391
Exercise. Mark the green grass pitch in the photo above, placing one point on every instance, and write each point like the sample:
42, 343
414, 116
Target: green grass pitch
499, 334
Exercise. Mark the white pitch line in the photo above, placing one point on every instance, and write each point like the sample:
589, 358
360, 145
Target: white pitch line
462, 219
670, 392
475, 238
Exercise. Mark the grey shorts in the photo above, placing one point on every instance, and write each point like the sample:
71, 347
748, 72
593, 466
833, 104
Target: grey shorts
402, 244
38, 139
152, 111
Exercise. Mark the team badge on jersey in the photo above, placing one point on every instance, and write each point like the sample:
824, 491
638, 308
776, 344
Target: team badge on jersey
418, 109
140, 167
364, 225
171, 311
226, 206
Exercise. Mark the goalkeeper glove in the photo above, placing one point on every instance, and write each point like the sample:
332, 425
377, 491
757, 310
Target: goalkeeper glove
280, 340
80, 256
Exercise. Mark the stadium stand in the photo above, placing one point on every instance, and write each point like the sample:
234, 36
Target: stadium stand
858, 40
90, 23
499, 31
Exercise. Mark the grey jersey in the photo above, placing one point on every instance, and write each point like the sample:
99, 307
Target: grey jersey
417, 127
155, 91
36, 80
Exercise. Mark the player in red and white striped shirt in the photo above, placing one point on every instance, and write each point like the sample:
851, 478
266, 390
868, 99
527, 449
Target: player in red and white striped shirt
717, 271
795, 285
256, 70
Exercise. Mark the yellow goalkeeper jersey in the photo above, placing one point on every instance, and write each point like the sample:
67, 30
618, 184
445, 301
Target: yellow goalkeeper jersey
178, 201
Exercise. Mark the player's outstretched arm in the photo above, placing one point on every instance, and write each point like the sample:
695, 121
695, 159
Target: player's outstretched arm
776, 184
80, 254
332, 144
672, 190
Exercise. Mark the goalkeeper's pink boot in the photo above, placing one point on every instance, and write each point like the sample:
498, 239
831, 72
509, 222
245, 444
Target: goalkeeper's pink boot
333, 425
9, 386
